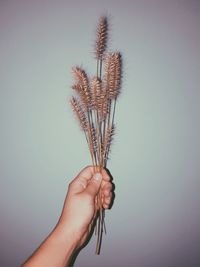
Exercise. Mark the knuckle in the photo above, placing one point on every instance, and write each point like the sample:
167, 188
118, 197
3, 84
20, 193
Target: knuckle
88, 167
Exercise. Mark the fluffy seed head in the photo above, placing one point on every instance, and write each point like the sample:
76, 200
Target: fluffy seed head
93, 138
96, 88
82, 85
109, 135
108, 141
101, 38
113, 74
80, 114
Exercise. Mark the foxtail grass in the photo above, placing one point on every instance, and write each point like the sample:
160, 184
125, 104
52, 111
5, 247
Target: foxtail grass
94, 106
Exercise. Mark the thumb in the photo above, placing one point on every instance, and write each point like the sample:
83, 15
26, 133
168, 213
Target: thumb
94, 184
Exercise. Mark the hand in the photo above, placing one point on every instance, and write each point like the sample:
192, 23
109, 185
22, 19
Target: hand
80, 203
73, 226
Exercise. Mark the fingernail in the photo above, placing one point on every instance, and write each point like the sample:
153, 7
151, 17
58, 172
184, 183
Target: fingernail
97, 176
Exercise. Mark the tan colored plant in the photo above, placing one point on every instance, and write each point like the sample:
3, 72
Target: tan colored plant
95, 106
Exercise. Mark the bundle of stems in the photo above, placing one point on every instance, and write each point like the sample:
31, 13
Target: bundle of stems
94, 106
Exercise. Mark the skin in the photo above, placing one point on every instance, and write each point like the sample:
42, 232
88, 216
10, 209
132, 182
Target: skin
74, 225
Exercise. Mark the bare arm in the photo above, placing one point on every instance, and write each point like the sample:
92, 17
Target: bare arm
73, 227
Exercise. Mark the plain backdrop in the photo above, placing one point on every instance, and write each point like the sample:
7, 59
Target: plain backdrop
155, 220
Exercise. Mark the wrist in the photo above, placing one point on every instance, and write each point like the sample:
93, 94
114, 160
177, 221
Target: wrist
68, 234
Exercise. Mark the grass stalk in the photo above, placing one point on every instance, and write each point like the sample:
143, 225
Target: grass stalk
95, 110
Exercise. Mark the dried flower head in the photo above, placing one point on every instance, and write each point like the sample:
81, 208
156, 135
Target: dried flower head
109, 139
96, 88
82, 85
80, 114
94, 108
113, 74
93, 138
102, 36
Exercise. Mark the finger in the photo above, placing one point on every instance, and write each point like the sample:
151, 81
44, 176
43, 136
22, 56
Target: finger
106, 206
106, 193
94, 184
106, 176
77, 185
86, 173
89, 171
107, 200
80, 182
107, 186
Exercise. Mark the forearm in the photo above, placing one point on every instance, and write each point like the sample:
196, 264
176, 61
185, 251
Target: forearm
73, 228
56, 250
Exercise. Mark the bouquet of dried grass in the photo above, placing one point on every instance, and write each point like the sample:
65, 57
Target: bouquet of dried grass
94, 106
